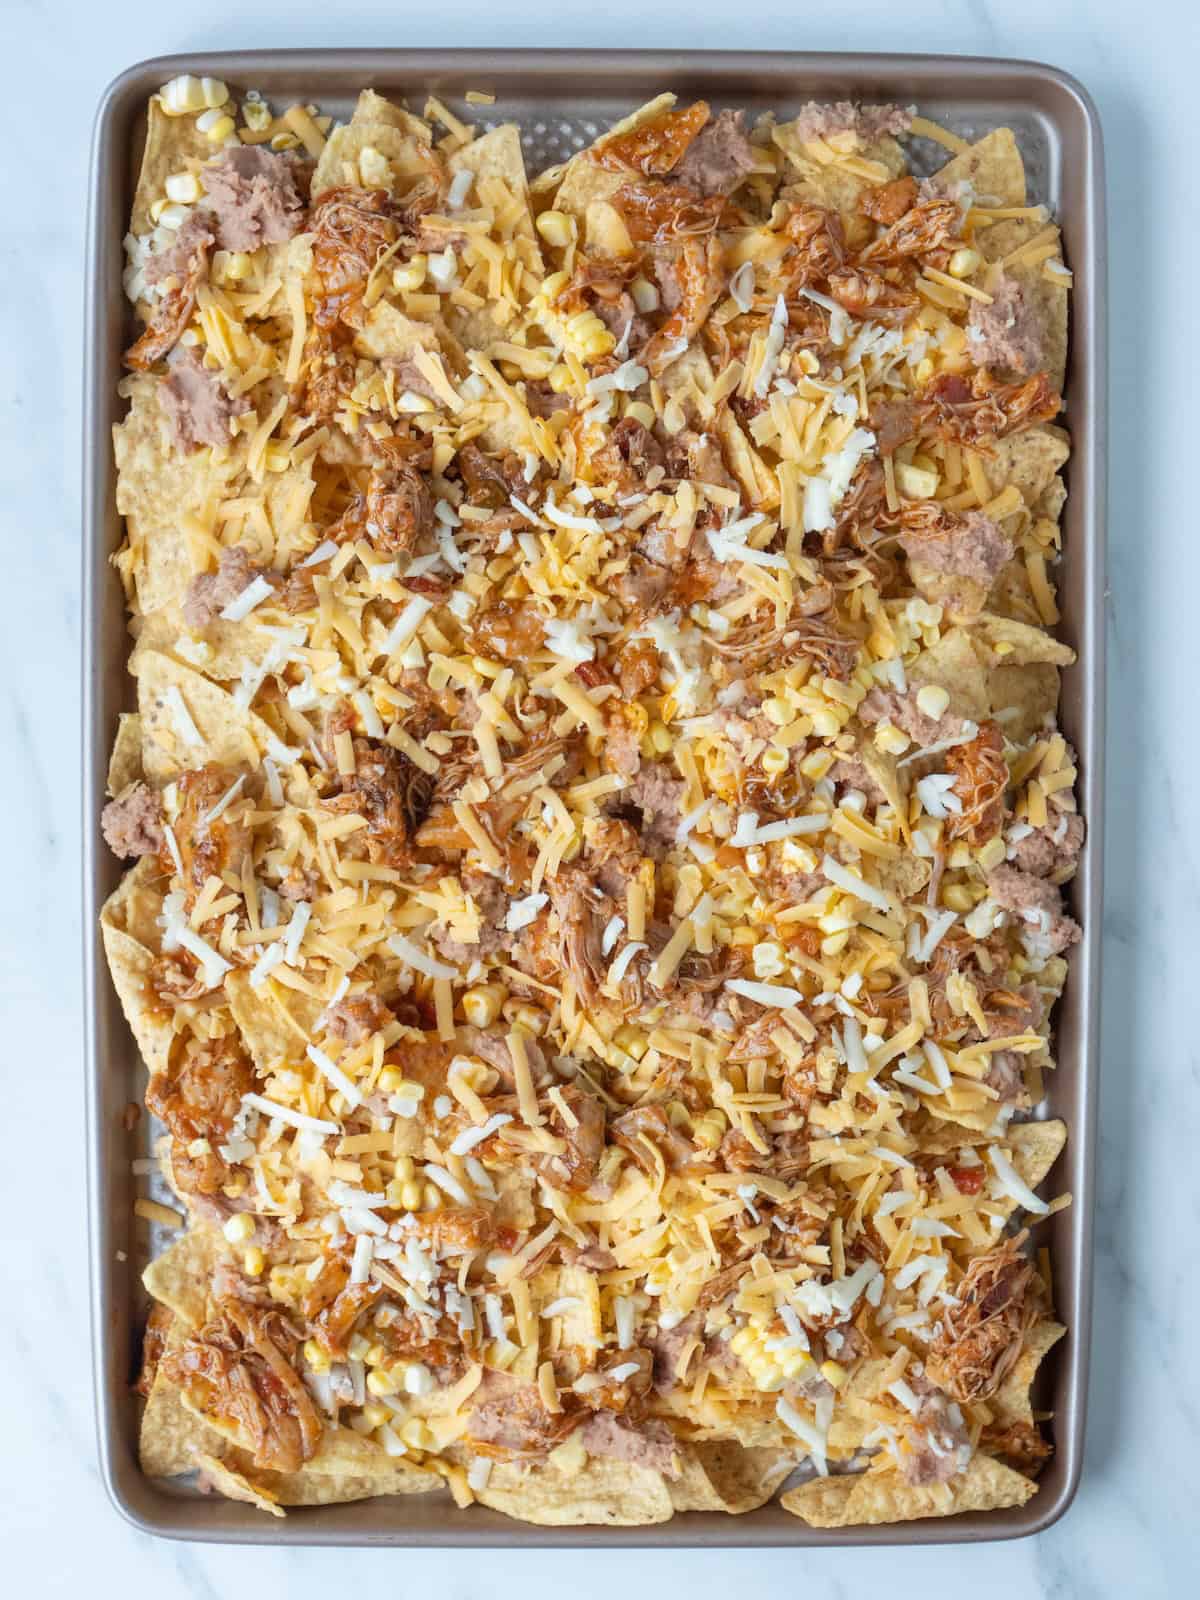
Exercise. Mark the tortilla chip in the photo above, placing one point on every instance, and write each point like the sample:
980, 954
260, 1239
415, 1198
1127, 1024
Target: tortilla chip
1011, 1402
1006, 642
236, 1485
833, 185
875, 1497
229, 736
583, 181
131, 946
1036, 1146
954, 664
125, 763
180, 1277
271, 1034
388, 332
157, 486
906, 876
992, 166
1031, 691
605, 1493
306, 1488
225, 649
721, 1475
376, 125
1029, 460
960, 597
171, 142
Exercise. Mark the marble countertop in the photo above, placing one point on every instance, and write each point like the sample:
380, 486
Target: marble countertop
1133, 1527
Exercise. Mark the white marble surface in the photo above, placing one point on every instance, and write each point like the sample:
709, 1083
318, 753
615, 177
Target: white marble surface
1133, 1528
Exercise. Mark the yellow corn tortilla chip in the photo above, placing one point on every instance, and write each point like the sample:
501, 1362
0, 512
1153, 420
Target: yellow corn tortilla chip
992, 166
305, 1488
613, 1494
179, 1278
157, 486
1029, 460
271, 1034
583, 181
721, 1475
1036, 1146
1006, 642
130, 947
234, 1485
1011, 1401
834, 185
1048, 298
229, 736
388, 332
380, 126
1024, 697
954, 664
125, 763
874, 1497
171, 143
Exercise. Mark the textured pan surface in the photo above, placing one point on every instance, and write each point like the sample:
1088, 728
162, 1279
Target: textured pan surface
561, 99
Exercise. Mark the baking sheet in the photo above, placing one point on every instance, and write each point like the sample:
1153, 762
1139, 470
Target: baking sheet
561, 100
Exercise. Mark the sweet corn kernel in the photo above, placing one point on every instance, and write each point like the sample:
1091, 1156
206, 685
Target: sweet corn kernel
557, 228
835, 943
957, 897
890, 740
411, 275
181, 95
817, 764
826, 724
214, 92
257, 116
415, 1434
644, 293
316, 1358
232, 266
183, 187
381, 1382
777, 711
410, 1195
933, 700
481, 1006
239, 1229
553, 285
221, 130
991, 854
284, 141
834, 1373
660, 738
173, 216
376, 1414
640, 412
431, 1197
964, 262
253, 1262
376, 1355
390, 1080
742, 1340
774, 761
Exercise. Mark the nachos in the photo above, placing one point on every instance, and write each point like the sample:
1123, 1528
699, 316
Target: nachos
598, 813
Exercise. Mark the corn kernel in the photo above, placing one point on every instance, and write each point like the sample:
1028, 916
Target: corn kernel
557, 228
221, 130
415, 1434
410, 1195
964, 262
357, 1346
918, 483
183, 187
835, 943
991, 854
316, 1358
826, 724
774, 761
644, 293
232, 266
214, 92
890, 739
181, 95
553, 285
284, 141
640, 412
660, 738
381, 1382
376, 1414
257, 116
957, 897
431, 1197
481, 1006
173, 216
411, 275
253, 1262
817, 764
834, 1373
933, 700
708, 1130
777, 711
239, 1229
